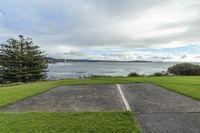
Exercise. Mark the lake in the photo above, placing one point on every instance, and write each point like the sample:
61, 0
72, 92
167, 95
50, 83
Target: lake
77, 69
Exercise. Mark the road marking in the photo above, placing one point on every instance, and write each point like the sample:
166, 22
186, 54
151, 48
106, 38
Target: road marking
123, 98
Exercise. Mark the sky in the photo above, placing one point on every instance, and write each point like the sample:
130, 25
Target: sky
153, 30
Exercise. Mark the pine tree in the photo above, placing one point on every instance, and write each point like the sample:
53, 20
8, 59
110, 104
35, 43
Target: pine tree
21, 61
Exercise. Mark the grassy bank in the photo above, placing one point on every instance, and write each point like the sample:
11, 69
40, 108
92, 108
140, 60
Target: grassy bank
189, 86
99, 122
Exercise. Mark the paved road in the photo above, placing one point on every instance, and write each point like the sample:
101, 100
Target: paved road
162, 111
72, 98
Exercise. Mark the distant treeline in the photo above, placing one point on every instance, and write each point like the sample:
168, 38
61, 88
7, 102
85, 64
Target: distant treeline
54, 60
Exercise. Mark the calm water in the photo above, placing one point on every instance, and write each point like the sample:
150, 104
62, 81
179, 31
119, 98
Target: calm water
76, 69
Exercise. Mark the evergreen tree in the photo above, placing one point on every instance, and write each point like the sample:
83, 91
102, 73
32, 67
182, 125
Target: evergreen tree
21, 61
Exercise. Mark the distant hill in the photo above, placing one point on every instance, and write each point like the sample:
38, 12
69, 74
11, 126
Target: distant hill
54, 60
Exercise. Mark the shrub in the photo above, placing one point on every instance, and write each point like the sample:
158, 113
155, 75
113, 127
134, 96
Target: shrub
97, 76
185, 69
133, 74
160, 74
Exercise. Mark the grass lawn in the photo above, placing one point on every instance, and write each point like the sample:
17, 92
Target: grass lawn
99, 122
189, 86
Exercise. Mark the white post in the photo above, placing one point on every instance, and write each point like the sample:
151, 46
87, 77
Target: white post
65, 57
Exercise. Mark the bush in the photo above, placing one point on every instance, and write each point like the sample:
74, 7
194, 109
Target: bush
160, 74
133, 74
185, 69
97, 76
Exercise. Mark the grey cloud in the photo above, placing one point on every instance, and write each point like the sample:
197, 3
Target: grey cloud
96, 23
184, 56
122, 9
197, 57
74, 53
168, 57
140, 57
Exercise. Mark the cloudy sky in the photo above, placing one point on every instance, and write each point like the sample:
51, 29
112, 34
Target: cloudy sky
156, 30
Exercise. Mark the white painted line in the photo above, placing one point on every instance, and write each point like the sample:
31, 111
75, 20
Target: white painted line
123, 98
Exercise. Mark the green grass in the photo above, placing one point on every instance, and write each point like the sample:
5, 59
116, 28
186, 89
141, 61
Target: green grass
99, 122
189, 86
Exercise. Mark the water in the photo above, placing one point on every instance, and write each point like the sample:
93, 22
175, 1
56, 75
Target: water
77, 69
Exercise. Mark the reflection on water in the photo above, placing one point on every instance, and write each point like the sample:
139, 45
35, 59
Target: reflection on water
77, 69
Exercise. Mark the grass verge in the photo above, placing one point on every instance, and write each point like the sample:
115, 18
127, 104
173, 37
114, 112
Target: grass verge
93, 122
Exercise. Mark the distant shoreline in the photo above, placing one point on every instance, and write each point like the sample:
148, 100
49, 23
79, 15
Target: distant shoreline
51, 60
54, 60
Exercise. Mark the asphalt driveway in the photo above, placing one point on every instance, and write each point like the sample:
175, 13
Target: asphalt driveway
161, 111
72, 98
157, 110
